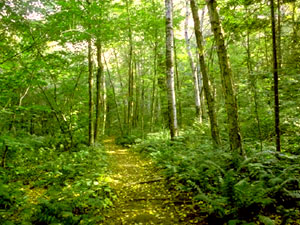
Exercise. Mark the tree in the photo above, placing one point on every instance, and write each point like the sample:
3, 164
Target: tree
227, 80
99, 78
275, 76
192, 64
207, 90
170, 69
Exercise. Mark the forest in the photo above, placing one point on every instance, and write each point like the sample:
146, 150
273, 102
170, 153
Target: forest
150, 112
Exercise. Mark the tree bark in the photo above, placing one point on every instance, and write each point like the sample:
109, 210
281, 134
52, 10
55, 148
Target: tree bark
122, 87
279, 34
177, 86
104, 103
130, 73
91, 98
170, 69
154, 81
207, 89
192, 65
252, 85
227, 80
275, 75
114, 97
98, 91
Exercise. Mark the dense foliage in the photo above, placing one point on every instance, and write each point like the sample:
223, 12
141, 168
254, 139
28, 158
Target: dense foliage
43, 184
263, 187
74, 72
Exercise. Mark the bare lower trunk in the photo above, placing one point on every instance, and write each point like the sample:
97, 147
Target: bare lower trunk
275, 74
252, 80
130, 72
153, 97
177, 87
91, 100
192, 65
98, 91
104, 103
227, 80
114, 97
170, 69
207, 90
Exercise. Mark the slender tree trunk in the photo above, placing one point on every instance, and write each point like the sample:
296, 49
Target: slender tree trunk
114, 97
200, 84
98, 91
91, 99
104, 103
143, 108
275, 74
170, 69
279, 35
252, 80
177, 86
137, 95
153, 98
207, 90
192, 65
122, 87
227, 80
130, 73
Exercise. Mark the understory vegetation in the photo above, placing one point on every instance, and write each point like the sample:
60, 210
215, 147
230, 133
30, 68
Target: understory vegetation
264, 186
44, 184
208, 89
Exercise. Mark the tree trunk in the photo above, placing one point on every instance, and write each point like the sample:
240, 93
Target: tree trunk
170, 69
252, 80
192, 65
279, 35
122, 87
130, 73
275, 74
142, 108
114, 97
227, 80
91, 100
207, 90
137, 94
98, 91
177, 87
104, 103
153, 97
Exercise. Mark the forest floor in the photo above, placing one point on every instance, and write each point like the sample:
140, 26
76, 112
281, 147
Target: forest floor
142, 195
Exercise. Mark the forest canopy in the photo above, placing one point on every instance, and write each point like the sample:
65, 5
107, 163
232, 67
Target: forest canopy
207, 89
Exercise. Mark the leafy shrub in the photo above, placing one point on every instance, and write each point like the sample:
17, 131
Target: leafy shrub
258, 185
66, 187
126, 140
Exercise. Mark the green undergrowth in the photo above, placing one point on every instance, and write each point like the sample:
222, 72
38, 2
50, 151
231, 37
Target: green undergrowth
42, 183
263, 188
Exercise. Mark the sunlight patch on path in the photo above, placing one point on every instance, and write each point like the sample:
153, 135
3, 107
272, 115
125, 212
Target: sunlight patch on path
142, 197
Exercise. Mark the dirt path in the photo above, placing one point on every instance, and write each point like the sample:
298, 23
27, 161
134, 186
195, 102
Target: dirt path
142, 195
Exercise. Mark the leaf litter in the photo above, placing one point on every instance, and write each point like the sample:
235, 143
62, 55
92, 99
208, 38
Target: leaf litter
142, 193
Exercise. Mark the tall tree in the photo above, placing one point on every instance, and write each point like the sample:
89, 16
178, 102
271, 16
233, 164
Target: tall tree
170, 69
192, 64
275, 76
91, 94
130, 70
227, 79
98, 90
207, 89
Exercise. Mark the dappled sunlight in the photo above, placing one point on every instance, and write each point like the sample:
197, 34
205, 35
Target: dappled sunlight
117, 152
142, 197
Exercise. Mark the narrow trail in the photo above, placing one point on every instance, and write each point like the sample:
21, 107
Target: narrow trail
142, 197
